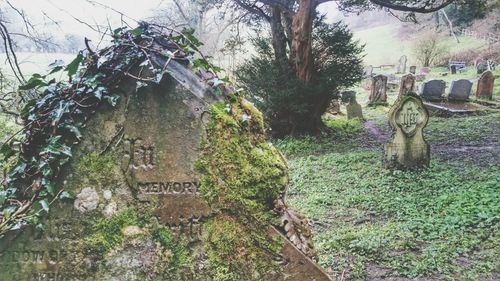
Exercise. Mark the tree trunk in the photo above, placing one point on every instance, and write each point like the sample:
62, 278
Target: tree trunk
301, 54
278, 34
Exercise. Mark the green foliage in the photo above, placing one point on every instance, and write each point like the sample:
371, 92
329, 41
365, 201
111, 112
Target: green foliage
240, 170
408, 224
344, 127
178, 256
53, 121
96, 166
290, 106
233, 245
104, 234
464, 12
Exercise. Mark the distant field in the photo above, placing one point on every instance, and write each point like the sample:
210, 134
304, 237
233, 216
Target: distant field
383, 46
34, 62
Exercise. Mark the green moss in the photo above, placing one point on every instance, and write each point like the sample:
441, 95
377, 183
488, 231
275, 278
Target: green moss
97, 166
237, 250
243, 173
176, 253
240, 170
105, 234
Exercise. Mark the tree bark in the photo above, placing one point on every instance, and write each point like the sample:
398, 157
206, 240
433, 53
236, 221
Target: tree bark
278, 35
301, 54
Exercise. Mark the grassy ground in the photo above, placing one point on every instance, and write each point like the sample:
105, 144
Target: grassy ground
384, 45
439, 223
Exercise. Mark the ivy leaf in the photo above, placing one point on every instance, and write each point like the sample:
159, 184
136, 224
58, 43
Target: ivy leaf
8, 211
56, 66
112, 100
3, 196
72, 67
73, 129
36, 81
58, 113
136, 31
27, 108
45, 205
49, 186
66, 195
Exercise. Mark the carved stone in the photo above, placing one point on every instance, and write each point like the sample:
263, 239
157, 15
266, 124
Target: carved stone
378, 91
485, 85
407, 84
407, 149
151, 141
460, 90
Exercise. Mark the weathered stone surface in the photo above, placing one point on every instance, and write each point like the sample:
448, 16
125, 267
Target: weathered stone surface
407, 84
402, 64
408, 149
368, 72
460, 90
133, 174
433, 90
485, 86
353, 108
378, 90
413, 69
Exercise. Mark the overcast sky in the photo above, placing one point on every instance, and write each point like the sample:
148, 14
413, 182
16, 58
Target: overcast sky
43, 12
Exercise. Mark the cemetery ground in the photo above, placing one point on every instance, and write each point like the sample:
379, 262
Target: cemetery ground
439, 223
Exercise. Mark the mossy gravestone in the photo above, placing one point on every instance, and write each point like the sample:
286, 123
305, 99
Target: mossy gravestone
408, 149
138, 214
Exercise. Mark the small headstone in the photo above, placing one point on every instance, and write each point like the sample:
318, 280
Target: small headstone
368, 71
402, 64
460, 90
433, 90
413, 69
425, 70
407, 84
334, 107
481, 66
408, 149
353, 108
378, 91
485, 85
453, 69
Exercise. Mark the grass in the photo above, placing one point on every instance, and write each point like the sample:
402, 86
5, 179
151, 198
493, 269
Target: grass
407, 224
439, 223
385, 46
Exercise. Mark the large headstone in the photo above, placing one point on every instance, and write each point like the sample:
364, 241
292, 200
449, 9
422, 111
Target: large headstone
460, 90
408, 149
407, 84
402, 64
378, 90
485, 86
353, 108
133, 175
433, 90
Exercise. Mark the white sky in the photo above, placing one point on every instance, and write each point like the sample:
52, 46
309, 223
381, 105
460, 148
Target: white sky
62, 11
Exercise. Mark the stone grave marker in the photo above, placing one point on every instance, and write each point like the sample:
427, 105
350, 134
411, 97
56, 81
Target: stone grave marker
378, 90
407, 84
485, 85
407, 149
460, 90
353, 108
368, 71
402, 64
413, 69
453, 69
433, 90
133, 176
